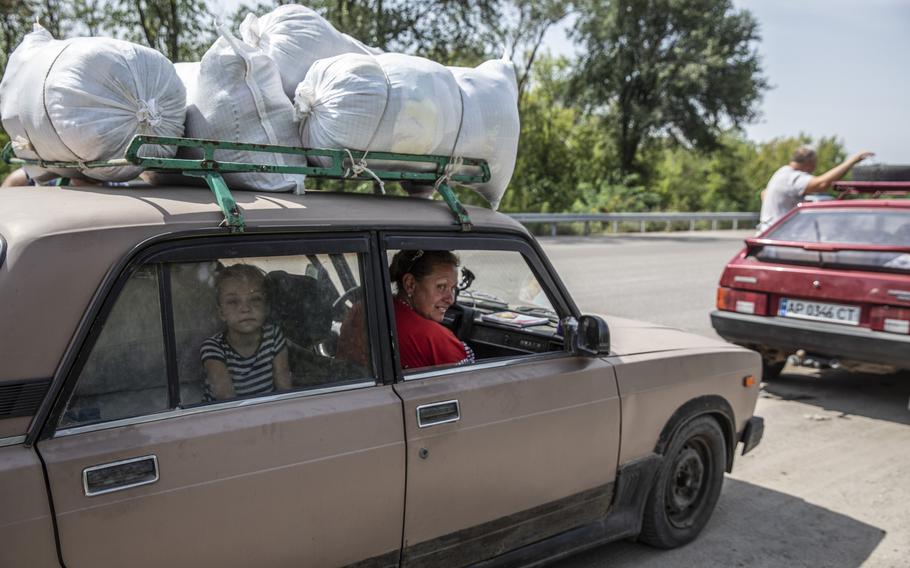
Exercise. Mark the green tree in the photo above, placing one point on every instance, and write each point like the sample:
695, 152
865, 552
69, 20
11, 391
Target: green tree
729, 187
90, 15
680, 177
523, 31
546, 177
15, 17
180, 29
684, 69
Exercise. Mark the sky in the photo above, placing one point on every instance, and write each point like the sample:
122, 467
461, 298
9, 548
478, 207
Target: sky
836, 68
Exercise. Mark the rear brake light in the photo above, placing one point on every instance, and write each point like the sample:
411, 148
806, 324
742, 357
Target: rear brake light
891, 319
732, 300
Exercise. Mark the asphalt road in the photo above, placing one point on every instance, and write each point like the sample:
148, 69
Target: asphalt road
829, 486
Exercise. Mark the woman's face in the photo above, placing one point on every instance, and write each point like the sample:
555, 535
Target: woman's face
432, 295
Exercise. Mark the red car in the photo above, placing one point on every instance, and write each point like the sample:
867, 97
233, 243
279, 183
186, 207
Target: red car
829, 282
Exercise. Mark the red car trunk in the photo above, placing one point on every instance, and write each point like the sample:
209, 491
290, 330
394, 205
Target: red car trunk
830, 279
863, 288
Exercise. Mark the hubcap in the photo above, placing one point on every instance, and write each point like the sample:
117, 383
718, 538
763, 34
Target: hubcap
687, 484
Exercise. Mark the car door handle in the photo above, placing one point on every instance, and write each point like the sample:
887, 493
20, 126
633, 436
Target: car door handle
438, 413
119, 475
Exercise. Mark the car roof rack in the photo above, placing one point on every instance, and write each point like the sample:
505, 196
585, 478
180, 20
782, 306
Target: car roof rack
345, 165
846, 189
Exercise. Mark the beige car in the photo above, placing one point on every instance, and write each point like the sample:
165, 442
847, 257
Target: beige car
568, 430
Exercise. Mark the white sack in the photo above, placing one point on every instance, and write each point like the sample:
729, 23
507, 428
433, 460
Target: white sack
83, 99
295, 37
390, 102
238, 98
188, 72
490, 126
405, 104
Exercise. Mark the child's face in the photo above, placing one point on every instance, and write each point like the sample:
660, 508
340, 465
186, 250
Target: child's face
242, 305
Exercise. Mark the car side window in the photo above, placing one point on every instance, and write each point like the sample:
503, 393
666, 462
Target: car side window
125, 373
499, 309
238, 327
248, 326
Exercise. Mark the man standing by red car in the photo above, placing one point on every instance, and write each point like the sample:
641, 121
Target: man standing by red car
790, 183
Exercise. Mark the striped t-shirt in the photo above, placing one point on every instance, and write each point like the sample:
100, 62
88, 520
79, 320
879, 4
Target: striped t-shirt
250, 375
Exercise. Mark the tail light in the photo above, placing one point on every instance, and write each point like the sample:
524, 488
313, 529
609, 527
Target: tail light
889, 318
743, 302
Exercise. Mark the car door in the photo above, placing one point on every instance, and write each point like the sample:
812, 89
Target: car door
146, 468
26, 525
520, 445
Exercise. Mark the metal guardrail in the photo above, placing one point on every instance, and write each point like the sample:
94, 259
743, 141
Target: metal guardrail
617, 219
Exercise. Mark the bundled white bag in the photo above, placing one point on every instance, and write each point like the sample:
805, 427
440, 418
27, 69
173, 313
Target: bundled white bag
405, 104
389, 102
294, 37
188, 72
83, 99
238, 98
490, 125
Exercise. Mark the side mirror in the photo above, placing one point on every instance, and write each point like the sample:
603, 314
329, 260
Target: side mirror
592, 337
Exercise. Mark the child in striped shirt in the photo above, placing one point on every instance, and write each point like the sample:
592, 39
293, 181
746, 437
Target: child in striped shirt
250, 357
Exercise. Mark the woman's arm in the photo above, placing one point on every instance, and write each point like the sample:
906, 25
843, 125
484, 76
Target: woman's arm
282, 371
219, 379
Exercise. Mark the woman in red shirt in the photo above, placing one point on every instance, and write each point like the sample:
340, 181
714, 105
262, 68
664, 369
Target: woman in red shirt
425, 287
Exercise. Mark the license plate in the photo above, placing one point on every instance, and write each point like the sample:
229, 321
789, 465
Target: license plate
819, 311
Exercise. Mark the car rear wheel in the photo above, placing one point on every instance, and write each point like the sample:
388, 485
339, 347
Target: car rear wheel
687, 486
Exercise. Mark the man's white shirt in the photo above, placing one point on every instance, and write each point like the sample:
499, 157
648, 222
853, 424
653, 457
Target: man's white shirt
785, 189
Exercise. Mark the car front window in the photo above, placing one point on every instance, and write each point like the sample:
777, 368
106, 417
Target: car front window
499, 309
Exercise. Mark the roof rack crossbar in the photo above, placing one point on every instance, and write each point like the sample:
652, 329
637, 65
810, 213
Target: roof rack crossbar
340, 166
233, 218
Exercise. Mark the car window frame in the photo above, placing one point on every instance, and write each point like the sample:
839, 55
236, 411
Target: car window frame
537, 262
162, 251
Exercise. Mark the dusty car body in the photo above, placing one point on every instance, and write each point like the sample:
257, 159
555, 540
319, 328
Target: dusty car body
830, 281
563, 435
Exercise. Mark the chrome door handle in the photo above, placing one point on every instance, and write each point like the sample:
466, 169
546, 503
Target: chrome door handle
438, 413
119, 475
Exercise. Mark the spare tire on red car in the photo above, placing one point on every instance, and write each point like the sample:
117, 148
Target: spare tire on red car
881, 172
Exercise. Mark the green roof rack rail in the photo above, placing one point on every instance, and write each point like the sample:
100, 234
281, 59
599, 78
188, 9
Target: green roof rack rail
344, 165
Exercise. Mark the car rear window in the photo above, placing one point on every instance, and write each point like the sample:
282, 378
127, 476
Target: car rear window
844, 227
869, 226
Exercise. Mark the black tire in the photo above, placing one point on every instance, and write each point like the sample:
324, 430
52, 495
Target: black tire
770, 369
687, 485
881, 172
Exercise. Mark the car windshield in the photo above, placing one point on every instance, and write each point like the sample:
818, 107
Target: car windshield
867, 226
503, 281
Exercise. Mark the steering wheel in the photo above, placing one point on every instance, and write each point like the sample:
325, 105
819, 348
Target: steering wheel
340, 306
461, 320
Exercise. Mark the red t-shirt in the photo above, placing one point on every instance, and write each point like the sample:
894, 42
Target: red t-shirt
423, 342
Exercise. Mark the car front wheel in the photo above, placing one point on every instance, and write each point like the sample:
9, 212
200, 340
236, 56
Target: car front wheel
687, 486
